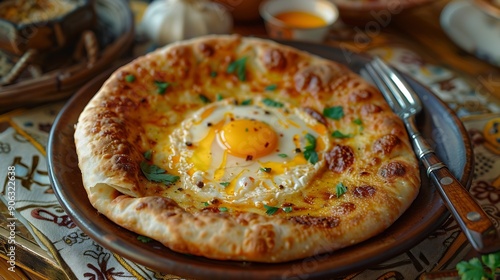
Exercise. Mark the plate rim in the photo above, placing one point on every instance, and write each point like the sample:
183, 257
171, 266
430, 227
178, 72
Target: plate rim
236, 270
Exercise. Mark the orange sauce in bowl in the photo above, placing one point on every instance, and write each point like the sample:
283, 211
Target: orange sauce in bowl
300, 19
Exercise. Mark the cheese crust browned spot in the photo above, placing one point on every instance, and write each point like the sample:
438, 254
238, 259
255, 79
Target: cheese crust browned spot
386, 144
274, 59
359, 95
364, 191
393, 169
325, 222
340, 158
315, 114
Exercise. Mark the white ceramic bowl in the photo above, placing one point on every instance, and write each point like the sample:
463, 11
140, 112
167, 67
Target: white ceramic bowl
280, 30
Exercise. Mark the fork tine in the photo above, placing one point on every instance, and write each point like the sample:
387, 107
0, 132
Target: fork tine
383, 86
385, 74
410, 97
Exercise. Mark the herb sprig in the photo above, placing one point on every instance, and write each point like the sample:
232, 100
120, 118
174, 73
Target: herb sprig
204, 98
310, 153
265, 169
340, 135
271, 87
130, 78
272, 103
157, 174
238, 66
144, 239
161, 87
340, 189
486, 268
271, 210
246, 102
148, 154
334, 113
359, 122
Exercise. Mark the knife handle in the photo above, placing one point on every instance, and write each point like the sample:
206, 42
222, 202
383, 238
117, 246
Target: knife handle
471, 218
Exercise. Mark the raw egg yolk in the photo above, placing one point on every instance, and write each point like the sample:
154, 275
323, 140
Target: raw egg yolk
248, 139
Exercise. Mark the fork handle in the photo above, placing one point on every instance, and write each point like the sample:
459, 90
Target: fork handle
471, 218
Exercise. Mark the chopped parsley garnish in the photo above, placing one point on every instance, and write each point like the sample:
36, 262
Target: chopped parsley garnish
310, 153
359, 122
271, 87
335, 112
270, 210
341, 189
144, 239
157, 174
148, 154
204, 98
484, 268
219, 97
223, 209
213, 74
282, 155
206, 204
130, 78
265, 169
239, 67
272, 103
224, 184
288, 209
246, 102
311, 140
338, 134
161, 87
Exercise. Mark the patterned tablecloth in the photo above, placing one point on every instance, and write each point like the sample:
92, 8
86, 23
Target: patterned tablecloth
32, 215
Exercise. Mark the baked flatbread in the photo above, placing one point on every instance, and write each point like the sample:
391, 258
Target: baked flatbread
237, 148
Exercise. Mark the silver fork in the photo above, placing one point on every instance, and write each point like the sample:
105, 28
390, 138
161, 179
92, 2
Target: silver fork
473, 221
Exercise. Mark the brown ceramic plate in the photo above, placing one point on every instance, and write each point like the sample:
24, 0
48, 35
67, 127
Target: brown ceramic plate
438, 124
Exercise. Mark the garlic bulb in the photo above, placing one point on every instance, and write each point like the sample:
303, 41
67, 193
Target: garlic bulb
166, 21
